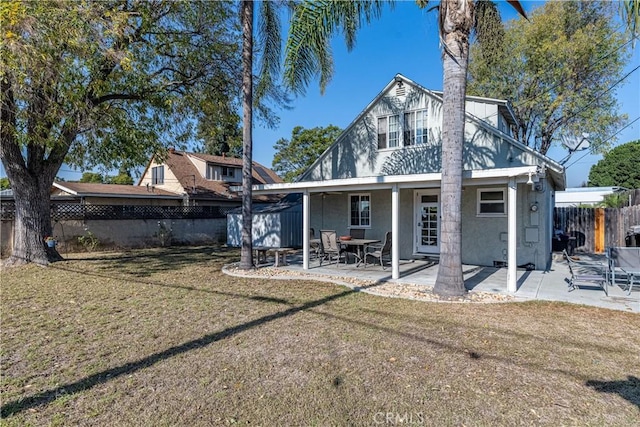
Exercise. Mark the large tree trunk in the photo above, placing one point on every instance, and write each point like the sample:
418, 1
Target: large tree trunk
32, 221
31, 179
456, 20
246, 14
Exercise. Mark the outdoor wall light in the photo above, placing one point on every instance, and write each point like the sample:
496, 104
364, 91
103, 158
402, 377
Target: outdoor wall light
530, 181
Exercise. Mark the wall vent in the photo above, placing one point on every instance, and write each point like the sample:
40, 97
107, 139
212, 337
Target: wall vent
401, 91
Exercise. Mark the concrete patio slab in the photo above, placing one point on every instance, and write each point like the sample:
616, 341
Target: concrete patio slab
548, 285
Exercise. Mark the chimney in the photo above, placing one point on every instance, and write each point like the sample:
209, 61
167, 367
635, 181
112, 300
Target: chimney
172, 150
223, 156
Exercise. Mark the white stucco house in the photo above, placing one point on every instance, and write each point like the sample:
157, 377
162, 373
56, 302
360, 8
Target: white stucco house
383, 174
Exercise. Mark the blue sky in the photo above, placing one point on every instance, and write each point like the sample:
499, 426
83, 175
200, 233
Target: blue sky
404, 40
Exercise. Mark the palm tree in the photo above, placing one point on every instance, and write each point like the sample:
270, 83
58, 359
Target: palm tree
308, 54
270, 49
246, 16
630, 11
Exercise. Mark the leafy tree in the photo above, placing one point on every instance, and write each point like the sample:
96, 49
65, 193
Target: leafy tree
619, 167
123, 178
223, 137
4, 183
294, 156
104, 83
92, 177
616, 200
308, 54
566, 61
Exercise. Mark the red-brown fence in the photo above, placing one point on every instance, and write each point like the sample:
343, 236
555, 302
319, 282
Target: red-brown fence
584, 225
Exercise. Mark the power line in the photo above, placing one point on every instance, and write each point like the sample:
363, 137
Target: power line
612, 136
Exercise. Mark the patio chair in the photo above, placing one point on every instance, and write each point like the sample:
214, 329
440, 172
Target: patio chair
330, 246
379, 251
314, 247
586, 273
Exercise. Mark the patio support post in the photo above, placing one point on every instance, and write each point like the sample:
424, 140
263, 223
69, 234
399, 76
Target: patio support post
512, 284
395, 250
305, 230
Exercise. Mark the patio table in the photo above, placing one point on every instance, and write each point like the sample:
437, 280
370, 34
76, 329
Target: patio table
360, 245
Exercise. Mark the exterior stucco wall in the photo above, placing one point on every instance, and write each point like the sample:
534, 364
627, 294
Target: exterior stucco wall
355, 154
484, 239
129, 233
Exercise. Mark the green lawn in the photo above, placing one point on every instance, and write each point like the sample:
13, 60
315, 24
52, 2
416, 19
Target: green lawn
161, 337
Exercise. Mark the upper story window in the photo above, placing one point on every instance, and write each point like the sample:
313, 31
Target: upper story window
413, 125
492, 202
388, 131
220, 173
157, 175
360, 210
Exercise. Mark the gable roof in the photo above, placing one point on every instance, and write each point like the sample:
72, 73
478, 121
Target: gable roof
261, 174
557, 170
198, 187
88, 189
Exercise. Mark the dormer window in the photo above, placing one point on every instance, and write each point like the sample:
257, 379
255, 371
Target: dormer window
228, 172
221, 173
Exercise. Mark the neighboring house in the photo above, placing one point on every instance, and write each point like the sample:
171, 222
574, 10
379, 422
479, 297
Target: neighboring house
573, 197
112, 194
203, 179
383, 174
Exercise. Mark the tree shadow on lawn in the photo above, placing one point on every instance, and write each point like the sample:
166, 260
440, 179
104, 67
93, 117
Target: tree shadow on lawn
46, 397
157, 260
91, 381
629, 389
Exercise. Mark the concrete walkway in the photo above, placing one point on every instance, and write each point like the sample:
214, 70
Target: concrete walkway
549, 285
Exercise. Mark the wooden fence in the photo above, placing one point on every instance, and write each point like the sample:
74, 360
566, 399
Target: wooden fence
597, 228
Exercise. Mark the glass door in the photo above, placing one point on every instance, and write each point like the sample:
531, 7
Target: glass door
427, 234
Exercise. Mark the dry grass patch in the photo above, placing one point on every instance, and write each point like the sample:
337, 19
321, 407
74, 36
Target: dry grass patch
161, 337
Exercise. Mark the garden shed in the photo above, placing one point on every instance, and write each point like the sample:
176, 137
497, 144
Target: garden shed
275, 225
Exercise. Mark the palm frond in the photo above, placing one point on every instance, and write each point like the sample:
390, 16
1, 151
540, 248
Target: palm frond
269, 44
314, 23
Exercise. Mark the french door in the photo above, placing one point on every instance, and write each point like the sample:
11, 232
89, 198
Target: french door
427, 221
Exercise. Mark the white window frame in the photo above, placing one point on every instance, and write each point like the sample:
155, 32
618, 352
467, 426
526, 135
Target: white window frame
480, 202
211, 172
157, 178
359, 224
229, 169
387, 132
410, 140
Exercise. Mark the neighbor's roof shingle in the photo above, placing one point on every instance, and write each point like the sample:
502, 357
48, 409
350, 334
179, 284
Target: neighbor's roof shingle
116, 190
199, 187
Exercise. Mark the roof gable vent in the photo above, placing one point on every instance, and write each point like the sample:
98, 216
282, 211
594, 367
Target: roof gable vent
401, 90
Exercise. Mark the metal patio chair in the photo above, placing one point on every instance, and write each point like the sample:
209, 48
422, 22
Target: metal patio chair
379, 251
330, 246
584, 273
